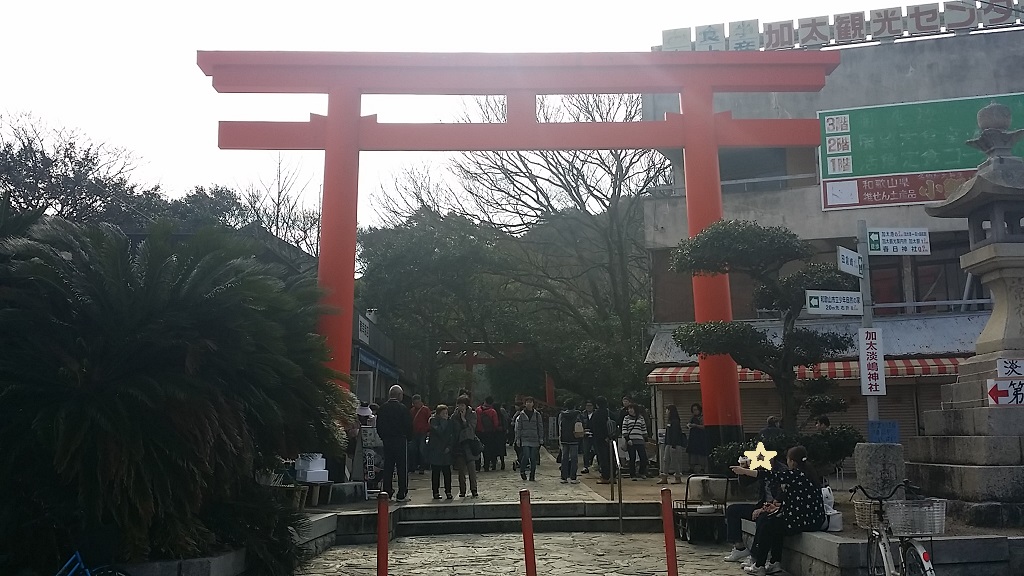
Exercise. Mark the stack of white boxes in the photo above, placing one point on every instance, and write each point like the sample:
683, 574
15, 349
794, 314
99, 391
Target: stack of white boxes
311, 468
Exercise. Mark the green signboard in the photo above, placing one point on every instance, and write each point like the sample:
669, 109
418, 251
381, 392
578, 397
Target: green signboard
902, 153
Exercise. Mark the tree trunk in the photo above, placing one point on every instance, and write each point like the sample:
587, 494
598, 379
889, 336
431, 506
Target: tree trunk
789, 404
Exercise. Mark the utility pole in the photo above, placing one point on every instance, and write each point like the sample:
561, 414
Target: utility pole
866, 302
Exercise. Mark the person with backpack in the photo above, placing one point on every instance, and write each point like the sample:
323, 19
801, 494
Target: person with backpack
488, 429
529, 436
570, 434
634, 431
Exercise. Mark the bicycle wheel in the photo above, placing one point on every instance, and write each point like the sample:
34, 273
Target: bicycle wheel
914, 564
879, 560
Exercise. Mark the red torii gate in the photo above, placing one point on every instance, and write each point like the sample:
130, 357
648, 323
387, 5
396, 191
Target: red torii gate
343, 133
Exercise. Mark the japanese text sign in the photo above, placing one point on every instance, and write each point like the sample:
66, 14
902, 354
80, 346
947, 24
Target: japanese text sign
899, 242
1005, 392
849, 262
872, 362
831, 302
902, 153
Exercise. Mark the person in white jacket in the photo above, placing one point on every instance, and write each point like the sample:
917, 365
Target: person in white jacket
635, 434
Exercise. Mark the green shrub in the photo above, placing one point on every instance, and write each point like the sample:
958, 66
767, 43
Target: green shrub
140, 383
824, 450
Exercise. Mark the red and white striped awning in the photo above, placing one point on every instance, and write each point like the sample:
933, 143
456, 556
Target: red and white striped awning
840, 370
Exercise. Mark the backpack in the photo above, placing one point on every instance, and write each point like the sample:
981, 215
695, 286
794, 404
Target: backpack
485, 420
613, 428
577, 429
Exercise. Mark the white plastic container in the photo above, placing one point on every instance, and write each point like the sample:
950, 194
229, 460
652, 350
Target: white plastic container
311, 475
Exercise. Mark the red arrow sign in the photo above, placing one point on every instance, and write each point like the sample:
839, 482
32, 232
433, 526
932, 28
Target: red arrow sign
995, 393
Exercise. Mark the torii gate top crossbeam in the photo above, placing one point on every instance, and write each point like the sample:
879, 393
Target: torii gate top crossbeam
487, 74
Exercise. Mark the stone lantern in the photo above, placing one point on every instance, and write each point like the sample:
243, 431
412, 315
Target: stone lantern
973, 448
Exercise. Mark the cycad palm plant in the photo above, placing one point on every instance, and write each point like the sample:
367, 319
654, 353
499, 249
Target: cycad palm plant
137, 382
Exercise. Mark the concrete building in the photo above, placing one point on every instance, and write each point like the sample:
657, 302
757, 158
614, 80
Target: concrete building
926, 306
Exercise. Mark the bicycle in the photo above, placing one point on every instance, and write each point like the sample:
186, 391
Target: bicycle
884, 518
75, 566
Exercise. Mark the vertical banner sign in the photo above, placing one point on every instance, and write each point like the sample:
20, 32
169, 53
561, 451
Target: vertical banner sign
369, 458
872, 363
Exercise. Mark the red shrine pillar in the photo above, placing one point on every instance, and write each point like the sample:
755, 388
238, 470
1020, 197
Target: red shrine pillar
719, 382
337, 265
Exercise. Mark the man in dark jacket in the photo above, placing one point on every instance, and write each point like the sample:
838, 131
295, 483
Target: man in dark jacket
394, 426
599, 428
570, 433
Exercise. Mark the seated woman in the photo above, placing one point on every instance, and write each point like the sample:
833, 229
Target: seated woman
769, 498
802, 509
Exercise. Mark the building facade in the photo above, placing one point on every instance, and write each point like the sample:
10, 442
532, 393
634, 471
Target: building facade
929, 311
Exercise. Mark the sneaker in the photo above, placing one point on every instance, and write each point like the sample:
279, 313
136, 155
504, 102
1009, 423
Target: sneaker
585, 471
532, 479
448, 496
437, 496
755, 570
462, 494
523, 475
748, 561
476, 495
403, 499
773, 568
737, 555
636, 479
563, 481
574, 481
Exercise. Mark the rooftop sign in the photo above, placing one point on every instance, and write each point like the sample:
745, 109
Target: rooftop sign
846, 28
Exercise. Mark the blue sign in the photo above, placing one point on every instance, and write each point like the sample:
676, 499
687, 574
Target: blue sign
883, 431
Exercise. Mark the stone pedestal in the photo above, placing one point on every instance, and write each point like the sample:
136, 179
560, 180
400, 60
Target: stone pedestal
880, 467
973, 453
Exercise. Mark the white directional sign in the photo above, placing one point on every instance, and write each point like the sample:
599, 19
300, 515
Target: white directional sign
1005, 392
849, 262
833, 302
899, 242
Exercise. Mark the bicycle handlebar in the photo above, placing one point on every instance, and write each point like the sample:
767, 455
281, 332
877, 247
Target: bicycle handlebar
905, 484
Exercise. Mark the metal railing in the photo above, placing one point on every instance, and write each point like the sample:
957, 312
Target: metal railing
616, 477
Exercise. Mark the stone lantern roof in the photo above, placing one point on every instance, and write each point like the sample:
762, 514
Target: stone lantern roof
996, 192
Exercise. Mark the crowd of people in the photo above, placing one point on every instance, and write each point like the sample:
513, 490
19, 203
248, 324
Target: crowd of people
469, 440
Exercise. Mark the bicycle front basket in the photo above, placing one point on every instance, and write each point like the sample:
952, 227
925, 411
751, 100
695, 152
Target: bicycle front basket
867, 514
916, 517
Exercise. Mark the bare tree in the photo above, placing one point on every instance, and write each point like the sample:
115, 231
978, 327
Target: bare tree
276, 204
576, 217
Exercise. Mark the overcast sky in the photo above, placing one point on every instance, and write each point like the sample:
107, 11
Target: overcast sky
125, 73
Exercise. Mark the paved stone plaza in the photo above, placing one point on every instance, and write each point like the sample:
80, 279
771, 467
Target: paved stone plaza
558, 554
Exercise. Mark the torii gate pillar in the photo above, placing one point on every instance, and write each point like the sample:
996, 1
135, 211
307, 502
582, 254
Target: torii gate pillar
342, 134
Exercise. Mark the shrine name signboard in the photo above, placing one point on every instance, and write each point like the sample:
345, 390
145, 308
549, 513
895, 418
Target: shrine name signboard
901, 153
